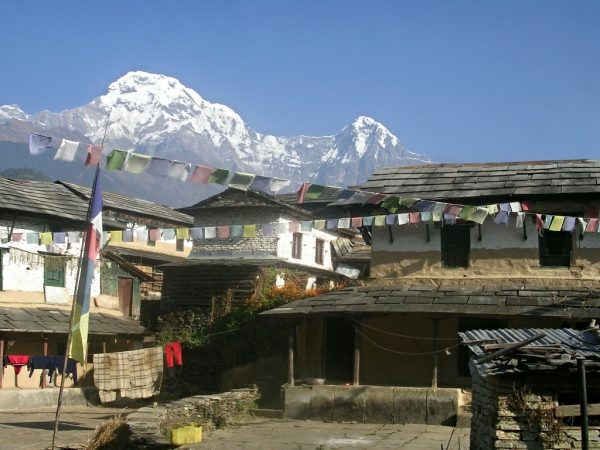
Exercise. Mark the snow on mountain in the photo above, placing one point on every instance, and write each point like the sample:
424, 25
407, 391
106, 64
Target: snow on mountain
158, 115
8, 112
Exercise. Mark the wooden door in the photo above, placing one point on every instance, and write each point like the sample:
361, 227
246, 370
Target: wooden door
125, 295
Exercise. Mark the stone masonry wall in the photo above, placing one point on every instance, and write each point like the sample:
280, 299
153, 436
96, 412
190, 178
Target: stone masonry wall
512, 413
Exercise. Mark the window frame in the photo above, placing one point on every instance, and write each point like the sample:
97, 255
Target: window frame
319, 251
297, 245
563, 259
453, 256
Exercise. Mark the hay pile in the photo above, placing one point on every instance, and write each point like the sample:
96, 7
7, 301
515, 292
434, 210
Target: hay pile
111, 435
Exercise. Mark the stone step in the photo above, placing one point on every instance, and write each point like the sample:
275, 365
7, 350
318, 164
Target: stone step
268, 413
463, 419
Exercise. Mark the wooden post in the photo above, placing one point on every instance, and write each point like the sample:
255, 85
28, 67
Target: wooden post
1, 359
583, 406
104, 346
45, 352
356, 375
434, 375
291, 355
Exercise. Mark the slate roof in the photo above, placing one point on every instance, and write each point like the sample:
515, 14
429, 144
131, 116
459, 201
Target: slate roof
514, 300
558, 349
41, 198
131, 205
461, 181
53, 320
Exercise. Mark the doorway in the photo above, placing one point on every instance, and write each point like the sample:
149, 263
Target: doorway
339, 349
125, 291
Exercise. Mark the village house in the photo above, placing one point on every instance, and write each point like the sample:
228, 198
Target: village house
529, 385
40, 228
388, 350
231, 261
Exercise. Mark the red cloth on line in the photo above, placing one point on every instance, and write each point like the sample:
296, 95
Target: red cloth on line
173, 352
17, 361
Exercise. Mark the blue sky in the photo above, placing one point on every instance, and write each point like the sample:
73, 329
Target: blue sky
456, 80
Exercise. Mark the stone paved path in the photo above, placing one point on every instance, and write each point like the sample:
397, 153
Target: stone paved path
32, 430
310, 435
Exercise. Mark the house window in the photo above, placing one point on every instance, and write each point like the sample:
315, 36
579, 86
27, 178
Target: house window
54, 271
179, 245
555, 248
319, 249
456, 244
297, 246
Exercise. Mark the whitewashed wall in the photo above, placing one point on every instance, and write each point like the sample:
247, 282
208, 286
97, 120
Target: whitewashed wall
309, 242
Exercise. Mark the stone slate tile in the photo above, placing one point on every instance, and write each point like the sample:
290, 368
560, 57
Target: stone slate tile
419, 300
529, 301
469, 291
511, 287
448, 288
484, 300
424, 287
452, 300
391, 299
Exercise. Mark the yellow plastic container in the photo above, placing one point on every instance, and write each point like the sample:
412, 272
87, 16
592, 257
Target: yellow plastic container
189, 434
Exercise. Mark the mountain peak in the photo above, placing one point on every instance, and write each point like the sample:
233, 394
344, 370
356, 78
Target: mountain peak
8, 112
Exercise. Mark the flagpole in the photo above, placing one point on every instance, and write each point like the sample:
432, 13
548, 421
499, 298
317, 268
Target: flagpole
72, 318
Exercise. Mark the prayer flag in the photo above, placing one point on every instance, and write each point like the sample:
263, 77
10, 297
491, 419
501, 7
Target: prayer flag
136, 163
116, 160
237, 231
557, 223
479, 215
38, 143
332, 224
426, 216
501, 218
391, 203
74, 237
449, 219
196, 233
302, 192
520, 217
492, 209
345, 194
223, 232
179, 170
390, 219
376, 199
525, 206
439, 208
319, 224
92, 245
504, 207
367, 221
268, 185
436, 217
210, 232
67, 150
141, 235
249, 231
569, 224
539, 223
316, 191
182, 233
592, 226
344, 222
158, 166
403, 219
357, 222
94, 153
201, 174
241, 180
294, 227
467, 212
515, 207
583, 224
413, 217
154, 234
168, 234
424, 205
379, 221
33, 238
283, 227
306, 225
46, 238
219, 176
548, 221
127, 235
408, 201
266, 229
105, 237
16, 237
453, 210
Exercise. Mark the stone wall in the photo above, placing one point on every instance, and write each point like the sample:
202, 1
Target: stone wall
371, 404
521, 413
152, 424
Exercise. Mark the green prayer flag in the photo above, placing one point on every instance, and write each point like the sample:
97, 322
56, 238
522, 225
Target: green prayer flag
379, 221
408, 201
391, 203
241, 180
317, 190
467, 212
219, 176
116, 160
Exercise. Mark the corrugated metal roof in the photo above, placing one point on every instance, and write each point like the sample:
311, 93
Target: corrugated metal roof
571, 343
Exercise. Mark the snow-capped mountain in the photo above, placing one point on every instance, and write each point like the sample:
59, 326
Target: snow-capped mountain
157, 115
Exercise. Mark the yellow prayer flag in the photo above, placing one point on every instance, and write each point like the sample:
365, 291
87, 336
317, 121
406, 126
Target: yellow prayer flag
319, 224
379, 221
116, 236
182, 233
557, 223
46, 238
249, 231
